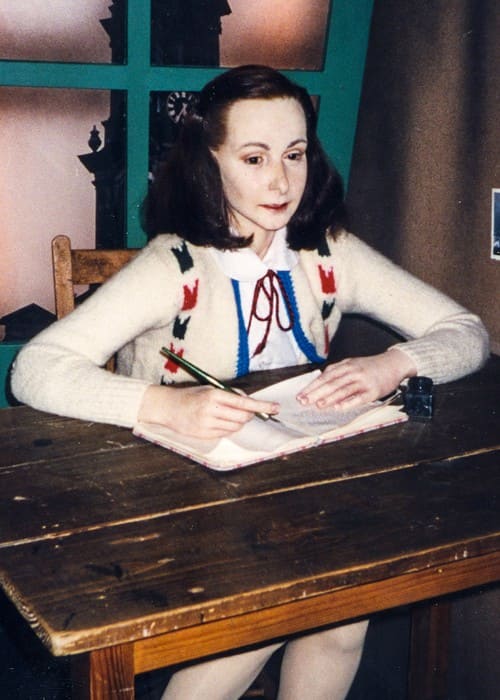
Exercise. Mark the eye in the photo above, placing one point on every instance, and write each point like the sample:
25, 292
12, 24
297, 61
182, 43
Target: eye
253, 160
295, 155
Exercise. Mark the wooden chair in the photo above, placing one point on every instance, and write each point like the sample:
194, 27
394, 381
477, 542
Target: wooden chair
79, 266
73, 266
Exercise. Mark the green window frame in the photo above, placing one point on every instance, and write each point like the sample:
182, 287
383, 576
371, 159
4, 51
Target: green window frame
338, 86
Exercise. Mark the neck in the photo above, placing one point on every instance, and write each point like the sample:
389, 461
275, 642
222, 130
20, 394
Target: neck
261, 242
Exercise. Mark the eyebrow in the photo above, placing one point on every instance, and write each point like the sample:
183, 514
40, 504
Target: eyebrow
267, 148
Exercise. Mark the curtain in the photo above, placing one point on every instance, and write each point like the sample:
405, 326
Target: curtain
427, 151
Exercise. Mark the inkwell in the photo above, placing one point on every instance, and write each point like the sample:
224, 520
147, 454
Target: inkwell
418, 398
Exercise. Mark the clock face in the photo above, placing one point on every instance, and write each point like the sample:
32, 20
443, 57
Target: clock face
177, 105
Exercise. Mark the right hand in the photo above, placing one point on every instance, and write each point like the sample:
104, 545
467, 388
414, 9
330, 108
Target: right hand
200, 411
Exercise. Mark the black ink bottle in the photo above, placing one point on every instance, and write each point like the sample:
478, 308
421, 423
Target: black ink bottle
418, 398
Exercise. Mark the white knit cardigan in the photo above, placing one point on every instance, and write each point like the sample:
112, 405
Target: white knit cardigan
174, 294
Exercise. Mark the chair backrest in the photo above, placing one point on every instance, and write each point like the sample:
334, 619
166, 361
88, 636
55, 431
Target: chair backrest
78, 266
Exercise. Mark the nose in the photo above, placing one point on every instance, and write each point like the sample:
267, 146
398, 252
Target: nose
279, 178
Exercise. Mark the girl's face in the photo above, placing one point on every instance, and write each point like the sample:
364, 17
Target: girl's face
263, 164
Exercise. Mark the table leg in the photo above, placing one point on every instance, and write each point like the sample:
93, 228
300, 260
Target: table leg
105, 674
429, 648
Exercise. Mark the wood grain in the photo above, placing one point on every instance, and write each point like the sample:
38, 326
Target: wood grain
130, 557
197, 564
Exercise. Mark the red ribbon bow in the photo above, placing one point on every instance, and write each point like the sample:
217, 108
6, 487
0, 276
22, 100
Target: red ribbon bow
269, 287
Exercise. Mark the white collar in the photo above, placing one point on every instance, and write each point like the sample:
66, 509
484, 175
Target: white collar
244, 265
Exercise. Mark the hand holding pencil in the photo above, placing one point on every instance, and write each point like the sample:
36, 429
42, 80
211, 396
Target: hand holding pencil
204, 412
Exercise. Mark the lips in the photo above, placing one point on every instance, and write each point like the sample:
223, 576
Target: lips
275, 207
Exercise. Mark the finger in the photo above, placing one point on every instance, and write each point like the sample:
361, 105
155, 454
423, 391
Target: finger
332, 372
351, 396
329, 386
215, 421
229, 412
249, 405
334, 397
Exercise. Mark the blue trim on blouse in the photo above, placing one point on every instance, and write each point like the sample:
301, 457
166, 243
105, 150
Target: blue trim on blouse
302, 341
243, 361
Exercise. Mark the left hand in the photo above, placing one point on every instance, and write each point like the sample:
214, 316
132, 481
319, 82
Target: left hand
358, 380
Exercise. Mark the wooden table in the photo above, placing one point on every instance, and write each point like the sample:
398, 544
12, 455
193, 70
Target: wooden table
132, 558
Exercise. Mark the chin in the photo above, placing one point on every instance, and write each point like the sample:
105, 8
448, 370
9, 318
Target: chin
277, 221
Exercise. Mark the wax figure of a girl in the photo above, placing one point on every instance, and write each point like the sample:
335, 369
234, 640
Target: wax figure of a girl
248, 267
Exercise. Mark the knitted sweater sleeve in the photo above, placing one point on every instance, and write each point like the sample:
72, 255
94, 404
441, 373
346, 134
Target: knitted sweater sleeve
60, 370
444, 340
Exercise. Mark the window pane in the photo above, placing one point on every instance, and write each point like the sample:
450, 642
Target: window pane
54, 182
288, 34
58, 30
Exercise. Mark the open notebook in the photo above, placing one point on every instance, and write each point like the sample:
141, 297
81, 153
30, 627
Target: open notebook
298, 428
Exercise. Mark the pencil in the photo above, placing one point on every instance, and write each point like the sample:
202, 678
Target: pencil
206, 378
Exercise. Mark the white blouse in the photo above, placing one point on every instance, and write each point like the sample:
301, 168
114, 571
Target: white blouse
270, 307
